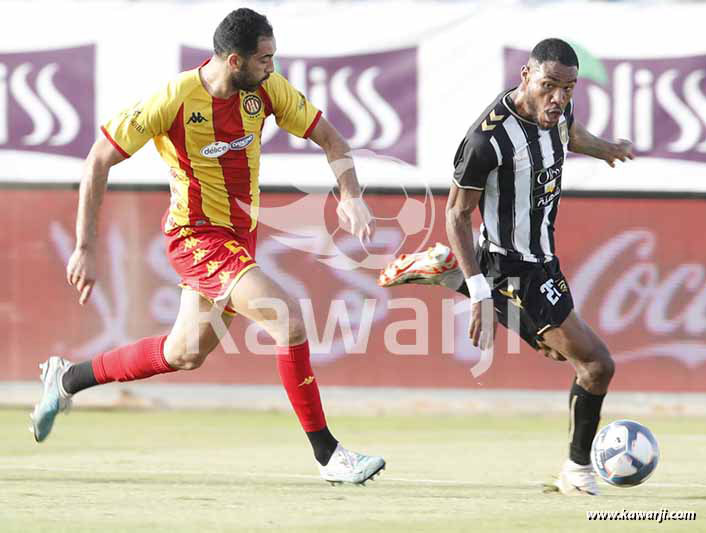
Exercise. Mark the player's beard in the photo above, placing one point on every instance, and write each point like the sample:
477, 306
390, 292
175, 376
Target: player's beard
245, 81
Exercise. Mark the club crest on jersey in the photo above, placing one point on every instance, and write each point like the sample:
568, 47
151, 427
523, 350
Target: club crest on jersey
564, 132
252, 104
218, 148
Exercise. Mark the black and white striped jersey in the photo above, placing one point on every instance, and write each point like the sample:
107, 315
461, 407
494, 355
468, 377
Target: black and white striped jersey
518, 167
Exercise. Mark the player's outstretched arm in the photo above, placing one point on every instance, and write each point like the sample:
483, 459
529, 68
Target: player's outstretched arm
459, 208
354, 215
582, 141
81, 269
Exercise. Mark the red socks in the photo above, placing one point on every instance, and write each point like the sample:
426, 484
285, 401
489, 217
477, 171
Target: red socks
299, 382
145, 358
140, 360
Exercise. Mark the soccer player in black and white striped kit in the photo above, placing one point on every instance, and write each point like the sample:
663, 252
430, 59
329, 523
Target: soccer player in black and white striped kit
509, 166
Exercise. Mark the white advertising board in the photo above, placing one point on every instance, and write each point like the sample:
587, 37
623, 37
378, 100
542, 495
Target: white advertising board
402, 82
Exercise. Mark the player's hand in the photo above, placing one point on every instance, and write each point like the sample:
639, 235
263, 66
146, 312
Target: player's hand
619, 151
355, 218
81, 272
484, 321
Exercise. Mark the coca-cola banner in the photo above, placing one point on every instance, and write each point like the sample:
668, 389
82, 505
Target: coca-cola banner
636, 269
401, 81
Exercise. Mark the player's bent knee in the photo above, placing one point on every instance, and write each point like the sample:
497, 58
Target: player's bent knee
186, 362
181, 359
599, 371
288, 336
607, 369
297, 332
606, 365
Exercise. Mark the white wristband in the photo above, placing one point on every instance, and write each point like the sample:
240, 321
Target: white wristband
478, 288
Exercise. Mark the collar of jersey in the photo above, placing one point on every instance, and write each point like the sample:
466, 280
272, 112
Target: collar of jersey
507, 102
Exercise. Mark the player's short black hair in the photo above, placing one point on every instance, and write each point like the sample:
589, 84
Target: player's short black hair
240, 32
555, 50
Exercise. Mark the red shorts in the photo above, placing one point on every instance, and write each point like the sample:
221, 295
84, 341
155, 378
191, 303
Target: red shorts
211, 259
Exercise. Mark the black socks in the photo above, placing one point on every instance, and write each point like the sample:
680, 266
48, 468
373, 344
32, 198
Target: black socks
78, 377
324, 444
585, 414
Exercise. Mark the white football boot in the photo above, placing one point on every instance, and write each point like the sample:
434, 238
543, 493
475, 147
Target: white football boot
436, 266
575, 480
346, 466
54, 398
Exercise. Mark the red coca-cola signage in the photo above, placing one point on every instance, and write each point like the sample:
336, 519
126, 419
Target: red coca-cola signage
643, 286
636, 268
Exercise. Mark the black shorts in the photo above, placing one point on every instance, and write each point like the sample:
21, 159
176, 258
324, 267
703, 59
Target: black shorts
538, 291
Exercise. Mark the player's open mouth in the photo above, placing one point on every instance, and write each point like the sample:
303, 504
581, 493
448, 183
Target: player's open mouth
554, 114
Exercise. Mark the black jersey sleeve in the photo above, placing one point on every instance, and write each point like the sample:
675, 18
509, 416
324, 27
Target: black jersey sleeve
474, 160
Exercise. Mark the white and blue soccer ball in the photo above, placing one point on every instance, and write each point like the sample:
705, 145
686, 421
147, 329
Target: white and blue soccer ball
624, 453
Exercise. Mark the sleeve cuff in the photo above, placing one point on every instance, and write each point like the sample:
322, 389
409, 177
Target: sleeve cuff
313, 125
114, 143
467, 186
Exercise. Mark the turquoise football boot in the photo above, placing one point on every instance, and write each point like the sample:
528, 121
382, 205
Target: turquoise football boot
54, 398
346, 466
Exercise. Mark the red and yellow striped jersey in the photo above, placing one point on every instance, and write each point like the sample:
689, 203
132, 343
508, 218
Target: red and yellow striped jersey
211, 145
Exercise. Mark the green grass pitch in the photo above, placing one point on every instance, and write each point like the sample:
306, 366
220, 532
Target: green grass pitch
209, 471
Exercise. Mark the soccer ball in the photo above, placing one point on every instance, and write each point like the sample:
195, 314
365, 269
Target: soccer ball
624, 453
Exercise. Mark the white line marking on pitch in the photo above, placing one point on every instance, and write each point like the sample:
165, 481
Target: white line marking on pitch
10, 466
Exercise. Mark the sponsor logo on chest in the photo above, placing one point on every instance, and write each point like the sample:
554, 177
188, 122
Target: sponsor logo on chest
546, 185
219, 148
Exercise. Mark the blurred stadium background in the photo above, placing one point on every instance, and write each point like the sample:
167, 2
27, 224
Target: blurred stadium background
403, 81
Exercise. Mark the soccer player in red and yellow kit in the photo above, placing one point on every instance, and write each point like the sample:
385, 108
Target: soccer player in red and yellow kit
206, 125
